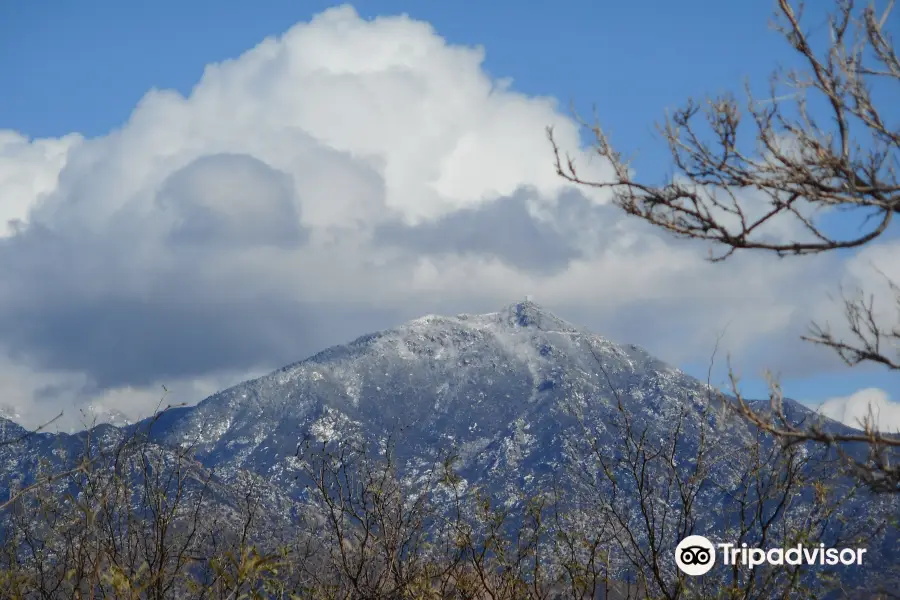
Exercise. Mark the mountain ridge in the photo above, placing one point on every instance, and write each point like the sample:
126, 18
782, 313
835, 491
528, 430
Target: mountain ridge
499, 368
519, 314
513, 395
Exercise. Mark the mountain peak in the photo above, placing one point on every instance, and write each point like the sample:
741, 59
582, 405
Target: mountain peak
528, 313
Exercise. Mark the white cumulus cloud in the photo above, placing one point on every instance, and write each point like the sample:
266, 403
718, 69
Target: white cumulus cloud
854, 410
342, 177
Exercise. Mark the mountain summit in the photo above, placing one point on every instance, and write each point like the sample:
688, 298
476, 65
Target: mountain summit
529, 314
507, 391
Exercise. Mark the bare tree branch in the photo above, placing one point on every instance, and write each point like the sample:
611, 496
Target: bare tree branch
771, 195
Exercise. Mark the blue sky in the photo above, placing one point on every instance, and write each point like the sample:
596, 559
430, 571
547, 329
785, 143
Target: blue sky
106, 54
84, 66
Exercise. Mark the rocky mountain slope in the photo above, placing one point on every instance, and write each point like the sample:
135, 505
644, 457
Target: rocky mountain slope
507, 391
518, 396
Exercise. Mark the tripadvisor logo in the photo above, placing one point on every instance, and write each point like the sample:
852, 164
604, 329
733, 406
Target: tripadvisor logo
695, 555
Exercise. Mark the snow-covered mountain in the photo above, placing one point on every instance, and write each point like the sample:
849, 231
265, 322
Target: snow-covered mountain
513, 394
503, 390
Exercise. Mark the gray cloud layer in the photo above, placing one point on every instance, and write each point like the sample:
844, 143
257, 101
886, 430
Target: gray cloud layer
508, 230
